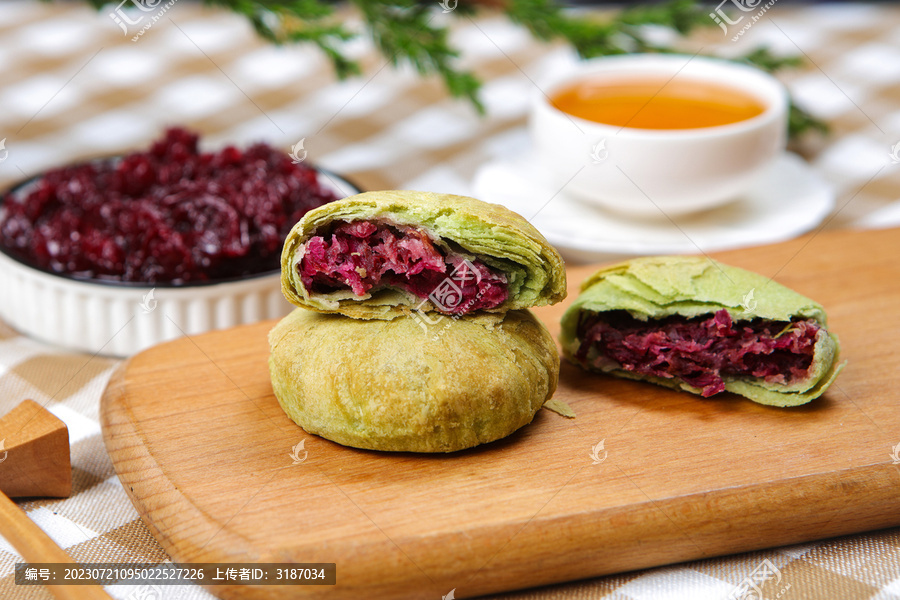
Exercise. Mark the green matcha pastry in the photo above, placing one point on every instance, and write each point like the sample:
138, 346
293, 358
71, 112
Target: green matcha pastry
694, 324
379, 255
400, 385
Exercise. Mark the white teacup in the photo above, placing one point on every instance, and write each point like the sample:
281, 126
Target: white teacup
645, 172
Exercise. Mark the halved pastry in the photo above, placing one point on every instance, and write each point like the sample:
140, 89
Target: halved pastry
390, 385
377, 255
698, 325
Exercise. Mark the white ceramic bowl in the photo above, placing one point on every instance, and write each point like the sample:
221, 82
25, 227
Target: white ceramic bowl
120, 319
647, 172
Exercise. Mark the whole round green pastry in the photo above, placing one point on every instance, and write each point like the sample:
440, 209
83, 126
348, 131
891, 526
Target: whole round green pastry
411, 385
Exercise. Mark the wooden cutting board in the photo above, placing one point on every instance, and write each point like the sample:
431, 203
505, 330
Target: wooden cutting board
203, 449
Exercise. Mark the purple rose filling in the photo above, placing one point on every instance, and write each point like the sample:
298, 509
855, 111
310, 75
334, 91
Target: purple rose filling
363, 255
169, 214
701, 350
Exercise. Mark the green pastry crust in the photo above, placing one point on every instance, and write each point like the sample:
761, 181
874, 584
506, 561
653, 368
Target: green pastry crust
491, 233
407, 385
658, 287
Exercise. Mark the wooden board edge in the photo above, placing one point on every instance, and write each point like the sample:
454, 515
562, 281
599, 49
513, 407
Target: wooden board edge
686, 528
143, 477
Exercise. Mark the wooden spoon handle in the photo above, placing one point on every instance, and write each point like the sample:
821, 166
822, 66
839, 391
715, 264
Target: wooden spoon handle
35, 546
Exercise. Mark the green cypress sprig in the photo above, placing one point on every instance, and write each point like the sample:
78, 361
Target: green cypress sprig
406, 31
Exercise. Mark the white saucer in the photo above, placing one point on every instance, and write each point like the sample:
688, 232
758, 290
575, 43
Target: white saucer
788, 199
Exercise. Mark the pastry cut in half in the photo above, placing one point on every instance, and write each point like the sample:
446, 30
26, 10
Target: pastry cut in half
380, 255
698, 325
393, 385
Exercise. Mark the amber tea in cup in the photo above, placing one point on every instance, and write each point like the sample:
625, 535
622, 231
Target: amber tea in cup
653, 135
657, 103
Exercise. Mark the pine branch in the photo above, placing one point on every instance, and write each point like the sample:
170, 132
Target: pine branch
404, 33
295, 21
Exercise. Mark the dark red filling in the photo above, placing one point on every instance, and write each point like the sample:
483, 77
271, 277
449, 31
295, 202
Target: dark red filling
363, 255
171, 214
700, 351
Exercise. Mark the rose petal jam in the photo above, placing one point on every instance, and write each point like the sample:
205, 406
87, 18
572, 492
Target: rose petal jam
170, 214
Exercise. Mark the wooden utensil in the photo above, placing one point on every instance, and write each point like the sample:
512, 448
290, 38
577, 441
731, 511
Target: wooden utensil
207, 457
35, 461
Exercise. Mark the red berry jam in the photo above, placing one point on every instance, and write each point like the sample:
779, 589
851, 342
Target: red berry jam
170, 214
363, 256
700, 351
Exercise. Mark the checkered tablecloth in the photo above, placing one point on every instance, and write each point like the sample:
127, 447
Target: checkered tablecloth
73, 86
